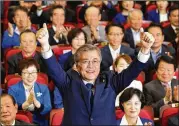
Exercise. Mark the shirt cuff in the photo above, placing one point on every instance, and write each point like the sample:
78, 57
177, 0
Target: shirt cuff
47, 54
143, 57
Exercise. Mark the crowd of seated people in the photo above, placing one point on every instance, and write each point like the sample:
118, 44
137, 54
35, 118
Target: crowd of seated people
115, 27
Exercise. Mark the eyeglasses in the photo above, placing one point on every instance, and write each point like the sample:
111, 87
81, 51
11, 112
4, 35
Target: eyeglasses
28, 74
87, 62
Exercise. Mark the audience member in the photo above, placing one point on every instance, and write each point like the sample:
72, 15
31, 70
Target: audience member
30, 95
28, 46
79, 108
158, 49
125, 7
172, 31
115, 34
95, 32
106, 9
121, 63
164, 89
70, 15
159, 14
132, 101
76, 37
22, 22
9, 109
58, 32
132, 34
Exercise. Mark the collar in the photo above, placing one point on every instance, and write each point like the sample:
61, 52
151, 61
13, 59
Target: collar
13, 124
23, 54
54, 28
124, 121
26, 89
174, 28
169, 83
117, 50
159, 52
85, 82
16, 30
140, 30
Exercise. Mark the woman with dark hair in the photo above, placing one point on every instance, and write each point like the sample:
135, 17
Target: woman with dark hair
125, 7
30, 95
132, 101
76, 38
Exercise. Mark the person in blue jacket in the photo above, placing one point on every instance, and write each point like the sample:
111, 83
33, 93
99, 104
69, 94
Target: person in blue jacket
30, 95
88, 95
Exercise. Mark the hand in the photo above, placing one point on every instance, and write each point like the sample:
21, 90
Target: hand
30, 98
176, 93
147, 41
168, 95
42, 36
105, 2
147, 124
36, 102
89, 2
10, 29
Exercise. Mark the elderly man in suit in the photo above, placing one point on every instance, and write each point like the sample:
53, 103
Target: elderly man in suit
89, 97
115, 34
164, 89
95, 32
9, 109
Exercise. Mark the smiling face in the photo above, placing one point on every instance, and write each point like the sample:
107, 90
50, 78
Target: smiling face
8, 110
78, 41
135, 20
115, 36
162, 4
58, 17
89, 65
165, 72
28, 42
132, 107
174, 18
121, 65
29, 75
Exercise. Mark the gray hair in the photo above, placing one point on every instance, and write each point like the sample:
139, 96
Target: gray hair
134, 10
86, 48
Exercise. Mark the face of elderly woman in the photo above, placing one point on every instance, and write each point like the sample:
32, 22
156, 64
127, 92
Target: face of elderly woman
132, 107
29, 75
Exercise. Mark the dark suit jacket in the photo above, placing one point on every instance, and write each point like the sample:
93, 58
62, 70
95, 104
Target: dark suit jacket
21, 123
170, 35
154, 93
76, 95
107, 59
13, 62
52, 40
151, 66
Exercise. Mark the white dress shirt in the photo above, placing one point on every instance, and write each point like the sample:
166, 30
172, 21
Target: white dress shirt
125, 123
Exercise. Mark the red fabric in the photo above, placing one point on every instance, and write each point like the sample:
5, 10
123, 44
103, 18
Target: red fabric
141, 77
151, 7
168, 113
27, 114
56, 116
78, 8
22, 118
59, 50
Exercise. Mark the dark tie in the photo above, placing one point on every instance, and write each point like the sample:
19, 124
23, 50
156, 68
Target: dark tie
90, 88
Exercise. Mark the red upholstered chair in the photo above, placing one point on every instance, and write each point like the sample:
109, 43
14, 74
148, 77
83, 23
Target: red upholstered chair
25, 114
166, 112
8, 54
78, 8
141, 77
165, 24
56, 117
60, 49
151, 7
22, 117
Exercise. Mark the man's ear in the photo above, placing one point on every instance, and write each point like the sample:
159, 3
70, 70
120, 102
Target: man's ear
16, 107
99, 17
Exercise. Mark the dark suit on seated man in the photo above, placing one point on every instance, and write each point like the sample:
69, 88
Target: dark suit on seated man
89, 97
164, 89
110, 52
9, 109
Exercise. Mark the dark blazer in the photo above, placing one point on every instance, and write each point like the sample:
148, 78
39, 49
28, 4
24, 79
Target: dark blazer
128, 37
66, 61
13, 62
153, 16
52, 40
107, 59
76, 98
151, 66
170, 35
154, 93
143, 120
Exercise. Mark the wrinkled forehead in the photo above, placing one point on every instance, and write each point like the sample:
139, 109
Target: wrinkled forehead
90, 54
92, 10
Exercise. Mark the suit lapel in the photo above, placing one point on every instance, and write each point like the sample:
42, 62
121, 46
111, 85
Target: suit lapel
132, 42
108, 53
